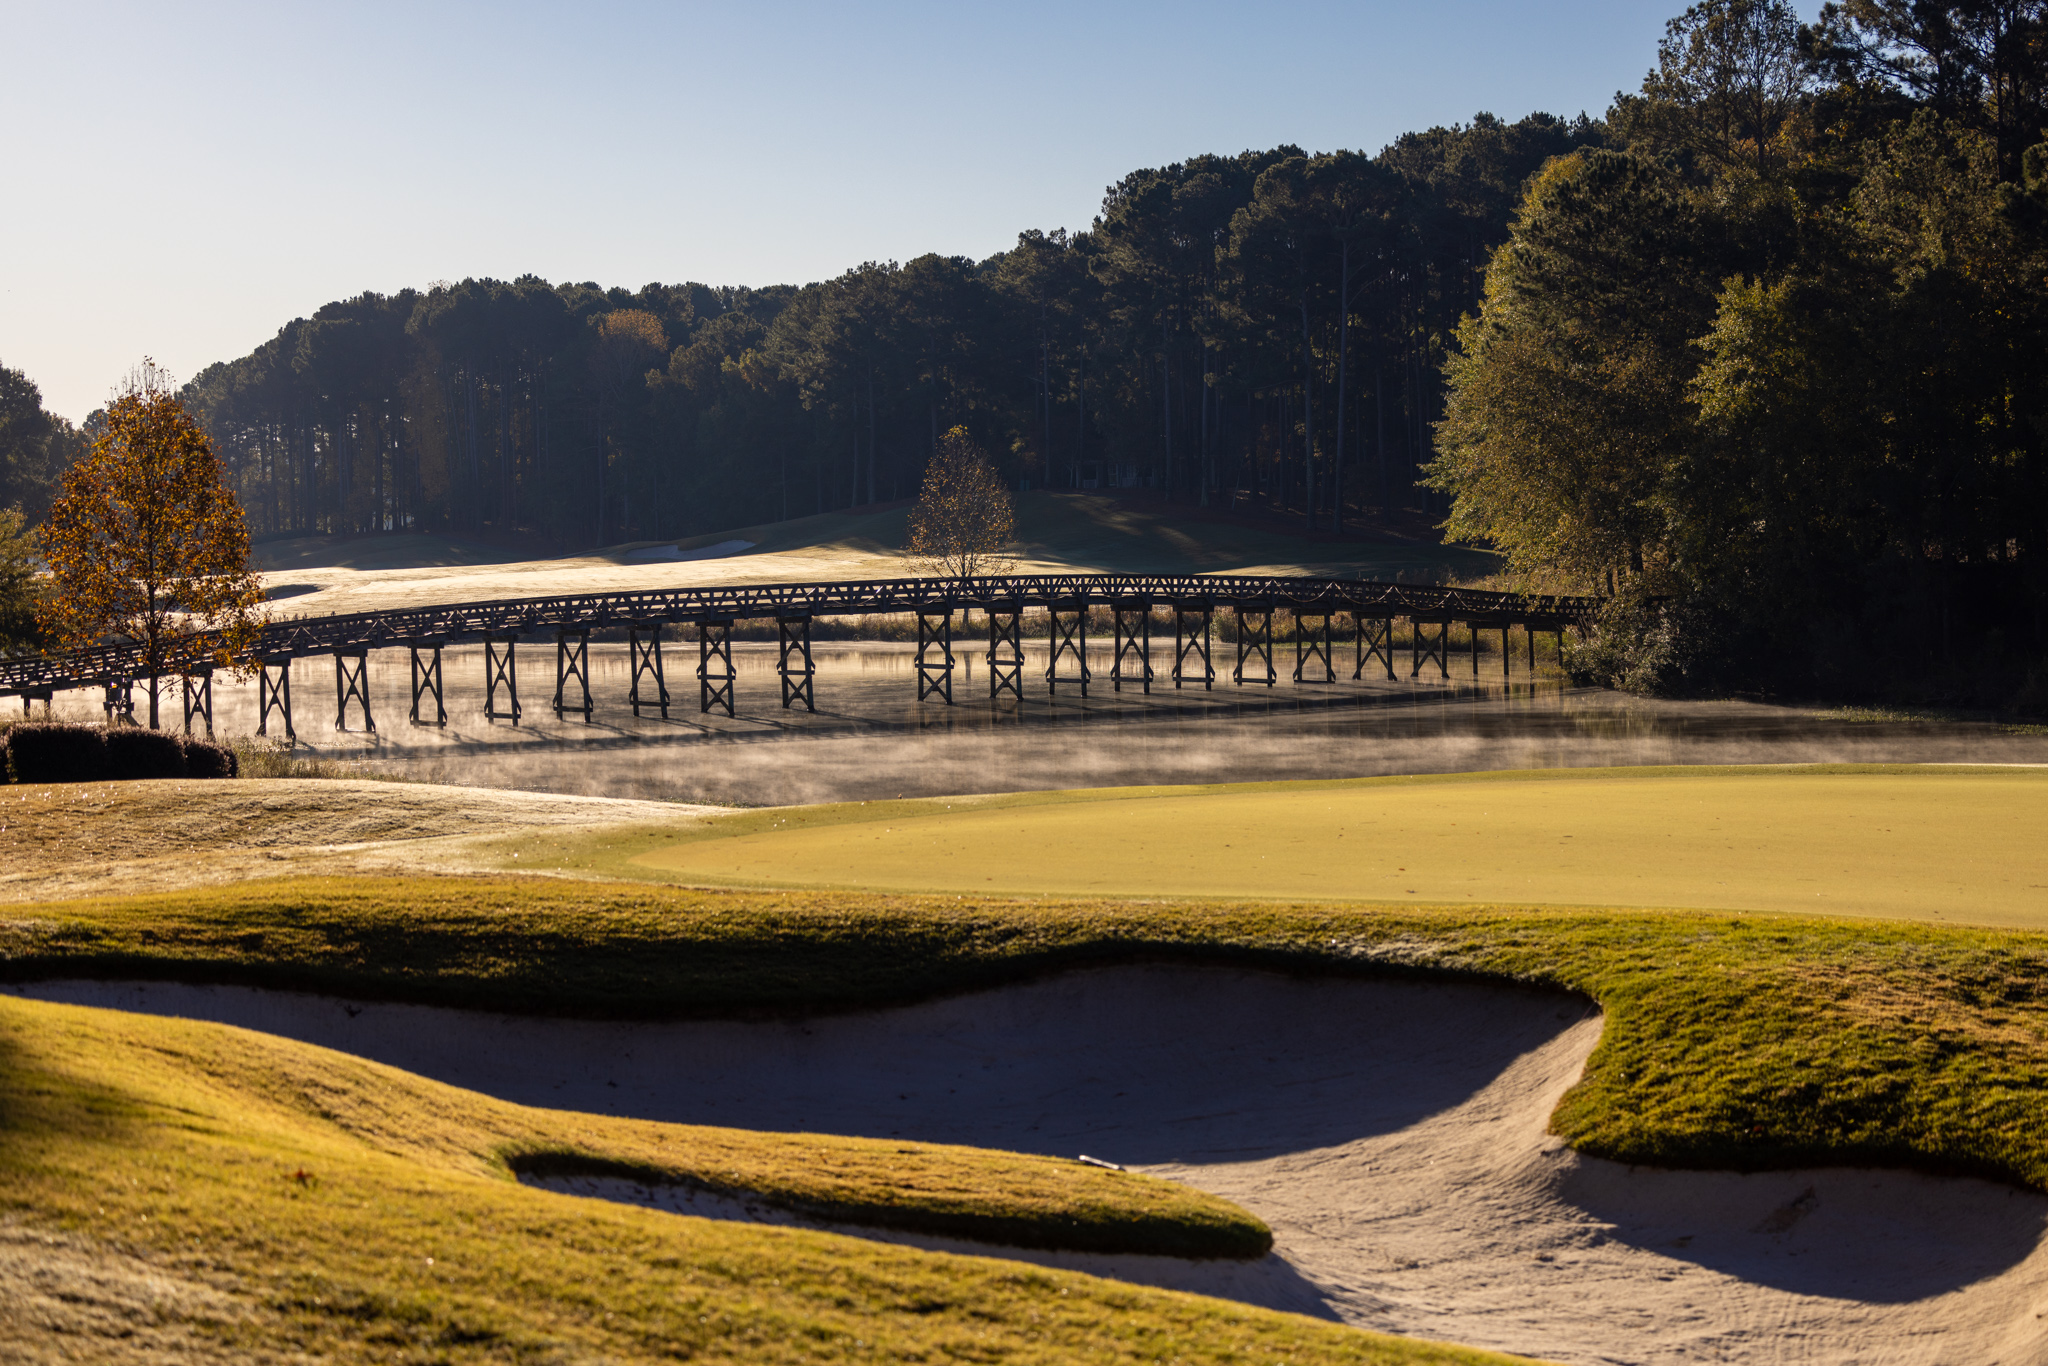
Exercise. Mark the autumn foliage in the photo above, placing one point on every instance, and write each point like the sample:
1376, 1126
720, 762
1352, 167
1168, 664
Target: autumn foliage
963, 516
147, 545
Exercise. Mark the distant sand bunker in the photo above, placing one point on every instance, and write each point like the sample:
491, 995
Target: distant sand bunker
1391, 1132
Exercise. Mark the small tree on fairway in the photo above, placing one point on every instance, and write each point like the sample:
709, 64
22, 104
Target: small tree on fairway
963, 516
147, 543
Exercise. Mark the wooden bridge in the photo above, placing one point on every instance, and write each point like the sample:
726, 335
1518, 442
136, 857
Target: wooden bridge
1315, 604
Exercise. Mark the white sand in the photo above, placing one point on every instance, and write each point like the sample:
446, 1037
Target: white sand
1391, 1132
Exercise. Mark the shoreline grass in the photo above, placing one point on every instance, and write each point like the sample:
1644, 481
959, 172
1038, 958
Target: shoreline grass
1732, 1040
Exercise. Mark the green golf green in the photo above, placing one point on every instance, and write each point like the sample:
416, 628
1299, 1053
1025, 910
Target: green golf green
1957, 844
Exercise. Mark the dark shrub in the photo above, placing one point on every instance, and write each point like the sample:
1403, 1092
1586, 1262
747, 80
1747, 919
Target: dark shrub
56, 752
137, 752
205, 759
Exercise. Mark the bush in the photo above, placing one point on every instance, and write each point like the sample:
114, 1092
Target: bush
1659, 647
205, 759
56, 752
137, 752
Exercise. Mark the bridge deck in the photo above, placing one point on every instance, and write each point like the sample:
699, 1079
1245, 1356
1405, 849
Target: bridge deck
355, 632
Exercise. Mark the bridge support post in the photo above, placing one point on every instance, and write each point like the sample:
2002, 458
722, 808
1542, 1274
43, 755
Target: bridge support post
1129, 642
1529, 638
274, 693
1374, 636
196, 692
646, 657
794, 636
352, 684
1068, 640
119, 700
572, 661
1507, 653
1473, 627
1422, 649
426, 681
1005, 649
1312, 644
1191, 622
31, 696
501, 670
1254, 641
935, 652
715, 674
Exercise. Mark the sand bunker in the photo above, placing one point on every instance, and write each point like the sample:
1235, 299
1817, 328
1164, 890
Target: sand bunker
1391, 1132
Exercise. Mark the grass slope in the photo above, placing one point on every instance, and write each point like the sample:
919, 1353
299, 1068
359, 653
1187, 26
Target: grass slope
1939, 843
187, 1191
1056, 532
1732, 1040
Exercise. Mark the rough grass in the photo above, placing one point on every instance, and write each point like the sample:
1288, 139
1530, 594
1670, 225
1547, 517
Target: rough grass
179, 1191
1936, 842
1732, 1040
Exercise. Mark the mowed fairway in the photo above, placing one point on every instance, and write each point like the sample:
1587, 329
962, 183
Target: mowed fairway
1963, 845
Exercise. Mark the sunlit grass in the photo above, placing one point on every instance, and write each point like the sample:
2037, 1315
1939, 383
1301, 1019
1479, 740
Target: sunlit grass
1732, 1040
268, 1200
1936, 843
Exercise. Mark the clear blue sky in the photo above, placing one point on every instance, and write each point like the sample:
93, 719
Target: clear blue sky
184, 179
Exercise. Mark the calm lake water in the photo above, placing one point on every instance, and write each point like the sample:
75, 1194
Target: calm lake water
871, 738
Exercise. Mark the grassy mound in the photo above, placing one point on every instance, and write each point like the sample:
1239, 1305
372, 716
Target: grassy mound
1858, 840
171, 1190
1732, 1040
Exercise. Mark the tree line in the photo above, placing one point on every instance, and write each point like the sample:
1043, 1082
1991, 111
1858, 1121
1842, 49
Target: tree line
1770, 367
1268, 326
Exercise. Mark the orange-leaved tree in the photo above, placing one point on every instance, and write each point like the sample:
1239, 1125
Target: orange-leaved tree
147, 545
963, 519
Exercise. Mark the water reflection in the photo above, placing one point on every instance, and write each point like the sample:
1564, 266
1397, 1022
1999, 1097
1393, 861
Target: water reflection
871, 738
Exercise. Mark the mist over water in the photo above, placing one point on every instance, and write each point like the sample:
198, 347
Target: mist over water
871, 738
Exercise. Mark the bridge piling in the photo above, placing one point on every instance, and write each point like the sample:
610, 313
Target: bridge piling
793, 634
274, 694
1068, 640
935, 652
1127, 642
352, 684
197, 699
119, 700
1374, 639
572, 661
1191, 623
715, 673
501, 670
1312, 645
426, 679
1005, 649
1423, 650
646, 660
1254, 640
